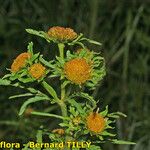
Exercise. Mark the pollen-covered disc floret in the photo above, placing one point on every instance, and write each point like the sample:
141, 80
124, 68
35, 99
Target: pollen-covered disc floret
37, 70
77, 70
62, 34
95, 122
20, 62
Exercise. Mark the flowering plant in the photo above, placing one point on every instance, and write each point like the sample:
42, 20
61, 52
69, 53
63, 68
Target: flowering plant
81, 118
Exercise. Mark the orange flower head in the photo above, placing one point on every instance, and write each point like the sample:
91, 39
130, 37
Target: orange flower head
20, 62
37, 70
95, 122
62, 34
77, 70
59, 131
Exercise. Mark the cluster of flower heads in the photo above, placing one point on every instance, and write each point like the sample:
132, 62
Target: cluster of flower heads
35, 70
78, 69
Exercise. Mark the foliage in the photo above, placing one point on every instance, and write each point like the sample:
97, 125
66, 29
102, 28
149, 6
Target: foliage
74, 114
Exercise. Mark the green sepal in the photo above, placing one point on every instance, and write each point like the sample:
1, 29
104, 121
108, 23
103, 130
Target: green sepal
105, 112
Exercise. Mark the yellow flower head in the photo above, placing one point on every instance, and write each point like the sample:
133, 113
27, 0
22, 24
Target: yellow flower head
59, 131
76, 120
95, 122
20, 62
62, 34
37, 70
77, 70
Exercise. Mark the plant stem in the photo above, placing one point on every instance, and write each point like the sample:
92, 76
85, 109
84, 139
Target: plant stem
62, 104
61, 47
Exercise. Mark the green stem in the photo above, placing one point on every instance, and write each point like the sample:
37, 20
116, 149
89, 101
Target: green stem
62, 104
61, 47
63, 108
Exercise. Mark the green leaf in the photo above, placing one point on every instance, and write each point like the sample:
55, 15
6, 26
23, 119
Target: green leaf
105, 112
32, 90
25, 80
115, 141
4, 82
105, 133
50, 90
65, 83
9, 123
91, 41
68, 54
72, 111
40, 34
30, 48
86, 96
31, 100
77, 39
6, 76
46, 63
93, 147
20, 95
116, 115
64, 125
34, 57
49, 115
77, 105
34, 32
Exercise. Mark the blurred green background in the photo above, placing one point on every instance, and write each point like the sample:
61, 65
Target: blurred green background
123, 27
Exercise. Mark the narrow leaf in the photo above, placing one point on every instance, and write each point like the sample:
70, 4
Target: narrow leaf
46, 63
29, 101
49, 115
30, 48
50, 90
20, 95
77, 105
86, 96
105, 112
115, 141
